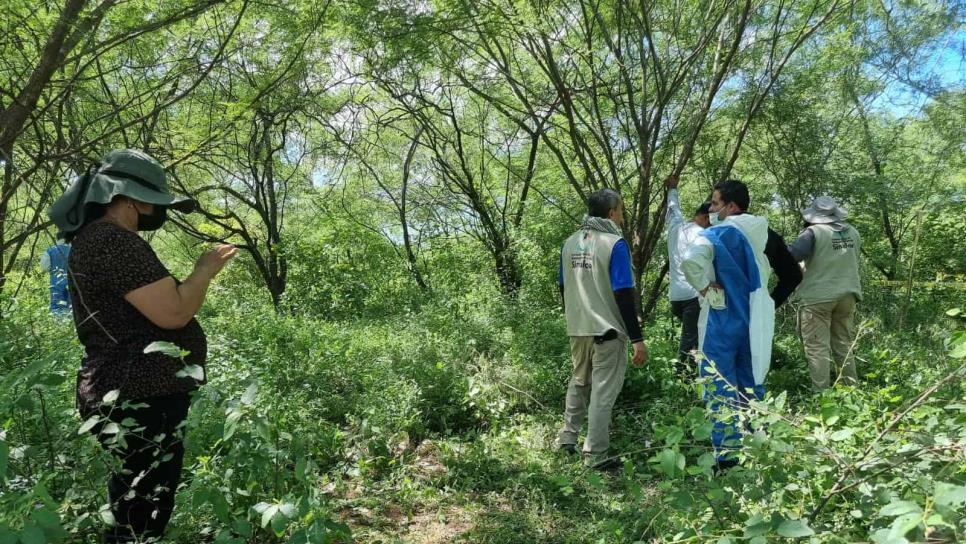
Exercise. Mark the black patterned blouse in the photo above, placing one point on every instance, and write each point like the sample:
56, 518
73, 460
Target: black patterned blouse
106, 262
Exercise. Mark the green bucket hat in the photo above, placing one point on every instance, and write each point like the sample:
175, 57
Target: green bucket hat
128, 172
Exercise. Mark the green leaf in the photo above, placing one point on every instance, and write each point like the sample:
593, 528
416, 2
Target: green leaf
201, 497
268, 514
756, 526
25, 402
946, 494
249, 396
669, 461
89, 424
192, 371
899, 508
674, 436
106, 515
904, 523
33, 535
7, 537
288, 510
830, 414
225, 537
882, 536
167, 348
220, 506
706, 460
795, 528
842, 434
279, 523
52, 380
50, 523
595, 481
48, 520
111, 396
683, 500
111, 428
954, 312
242, 527
264, 429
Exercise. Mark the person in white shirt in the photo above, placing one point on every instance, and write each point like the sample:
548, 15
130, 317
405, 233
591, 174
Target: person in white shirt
685, 302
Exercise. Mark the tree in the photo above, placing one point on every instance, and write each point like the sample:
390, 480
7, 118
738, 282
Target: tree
66, 94
248, 168
629, 86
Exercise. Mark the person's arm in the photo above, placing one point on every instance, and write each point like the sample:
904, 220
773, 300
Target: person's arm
675, 219
786, 268
803, 246
45, 262
625, 303
171, 306
622, 284
697, 263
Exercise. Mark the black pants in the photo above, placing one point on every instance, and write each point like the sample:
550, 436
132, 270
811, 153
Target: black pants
687, 311
151, 460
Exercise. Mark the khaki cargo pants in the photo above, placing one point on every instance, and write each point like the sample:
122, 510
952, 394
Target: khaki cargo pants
598, 376
827, 332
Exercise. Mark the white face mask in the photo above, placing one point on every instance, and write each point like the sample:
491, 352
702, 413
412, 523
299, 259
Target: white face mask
714, 219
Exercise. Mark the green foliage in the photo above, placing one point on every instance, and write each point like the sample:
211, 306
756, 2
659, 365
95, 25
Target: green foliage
366, 387
457, 413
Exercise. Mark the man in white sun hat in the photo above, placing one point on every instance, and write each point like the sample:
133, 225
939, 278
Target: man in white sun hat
829, 291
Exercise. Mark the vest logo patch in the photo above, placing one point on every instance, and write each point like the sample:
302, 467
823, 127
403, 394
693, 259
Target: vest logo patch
582, 258
842, 242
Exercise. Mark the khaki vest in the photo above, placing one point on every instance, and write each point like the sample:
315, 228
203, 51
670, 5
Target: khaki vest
588, 298
832, 271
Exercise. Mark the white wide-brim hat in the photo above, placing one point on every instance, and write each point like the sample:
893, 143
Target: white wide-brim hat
824, 209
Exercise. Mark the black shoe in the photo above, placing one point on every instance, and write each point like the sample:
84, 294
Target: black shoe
569, 449
609, 465
724, 465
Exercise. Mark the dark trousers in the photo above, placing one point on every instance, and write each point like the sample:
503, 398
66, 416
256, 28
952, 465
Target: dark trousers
151, 460
687, 311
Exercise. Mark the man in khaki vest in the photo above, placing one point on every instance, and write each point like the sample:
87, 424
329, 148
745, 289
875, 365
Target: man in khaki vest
597, 285
829, 247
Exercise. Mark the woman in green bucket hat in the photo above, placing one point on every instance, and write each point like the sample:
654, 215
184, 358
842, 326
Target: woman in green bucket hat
126, 300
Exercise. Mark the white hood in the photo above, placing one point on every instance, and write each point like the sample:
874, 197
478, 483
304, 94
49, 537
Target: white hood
753, 227
762, 326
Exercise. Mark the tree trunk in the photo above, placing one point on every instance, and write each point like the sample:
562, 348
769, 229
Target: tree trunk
654, 294
403, 221
507, 270
5, 152
15, 116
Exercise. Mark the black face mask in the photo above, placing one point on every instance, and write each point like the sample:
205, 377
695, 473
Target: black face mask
153, 220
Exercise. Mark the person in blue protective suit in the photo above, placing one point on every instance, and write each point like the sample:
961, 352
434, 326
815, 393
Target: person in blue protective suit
54, 261
729, 265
